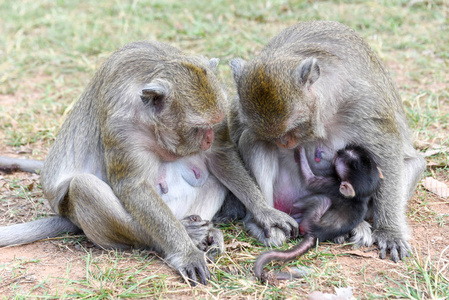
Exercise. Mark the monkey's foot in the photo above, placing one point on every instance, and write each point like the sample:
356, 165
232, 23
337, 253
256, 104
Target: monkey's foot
359, 236
204, 235
392, 240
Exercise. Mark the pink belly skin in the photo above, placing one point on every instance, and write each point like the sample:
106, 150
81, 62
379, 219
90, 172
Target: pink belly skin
285, 204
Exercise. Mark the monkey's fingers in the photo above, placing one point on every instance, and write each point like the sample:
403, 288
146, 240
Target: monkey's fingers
405, 250
267, 231
191, 276
399, 248
399, 251
276, 218
289, 226
194, 268
204, 275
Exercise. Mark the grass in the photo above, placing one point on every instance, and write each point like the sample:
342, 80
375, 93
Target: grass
427, 279
50, 49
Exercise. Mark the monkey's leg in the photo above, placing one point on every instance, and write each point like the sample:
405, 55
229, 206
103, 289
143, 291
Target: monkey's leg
95, 208
414, 167
315, 207
390, 229
100, 214
361, 235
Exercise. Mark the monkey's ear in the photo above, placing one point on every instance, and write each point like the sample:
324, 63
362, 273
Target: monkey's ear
155, 94
347, 190
237, 65
213, 63
308, 71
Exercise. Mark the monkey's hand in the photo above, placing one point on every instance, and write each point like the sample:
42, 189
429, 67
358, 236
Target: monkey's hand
268, 218
392, 240
204, 235
192, 266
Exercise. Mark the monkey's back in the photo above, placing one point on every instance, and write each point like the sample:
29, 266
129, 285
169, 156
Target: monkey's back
338, 49
323, 40
342, 216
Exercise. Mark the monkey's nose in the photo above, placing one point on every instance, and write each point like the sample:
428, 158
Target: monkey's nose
282, 141
208, 139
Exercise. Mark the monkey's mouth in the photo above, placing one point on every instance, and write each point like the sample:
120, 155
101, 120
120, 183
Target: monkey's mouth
288, 141
287, 144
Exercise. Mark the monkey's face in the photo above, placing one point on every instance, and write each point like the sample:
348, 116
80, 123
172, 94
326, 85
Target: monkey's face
195, 139
192, 104
355, 165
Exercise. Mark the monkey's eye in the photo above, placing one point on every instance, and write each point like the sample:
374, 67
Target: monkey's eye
192, 131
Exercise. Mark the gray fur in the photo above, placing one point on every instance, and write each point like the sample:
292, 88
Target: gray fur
126, 172
353, 101
9, 165
36, 230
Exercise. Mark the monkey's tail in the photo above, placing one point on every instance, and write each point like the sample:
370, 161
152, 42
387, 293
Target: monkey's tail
276, 255
25, 233
10, 165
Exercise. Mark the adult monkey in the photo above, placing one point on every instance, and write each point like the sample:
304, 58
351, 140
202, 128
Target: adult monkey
318, 84
135, 156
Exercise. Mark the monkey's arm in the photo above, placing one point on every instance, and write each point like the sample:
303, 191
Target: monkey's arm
227, 165
390, 230
131, 182
10, 165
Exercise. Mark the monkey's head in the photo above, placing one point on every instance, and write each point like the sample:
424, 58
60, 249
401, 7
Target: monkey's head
159, 99
276, 98
184, 102
357, 171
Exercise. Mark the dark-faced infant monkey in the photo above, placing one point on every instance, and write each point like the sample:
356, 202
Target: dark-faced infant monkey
337, 204
319, 85
144, 147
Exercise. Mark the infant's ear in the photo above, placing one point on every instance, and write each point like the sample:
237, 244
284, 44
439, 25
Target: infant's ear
347, 190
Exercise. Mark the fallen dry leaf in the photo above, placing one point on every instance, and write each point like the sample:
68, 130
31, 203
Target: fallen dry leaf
238, 245
434, 151
340, 294
366, 254
435, 186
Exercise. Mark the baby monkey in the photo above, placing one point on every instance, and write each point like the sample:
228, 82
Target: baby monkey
335, 205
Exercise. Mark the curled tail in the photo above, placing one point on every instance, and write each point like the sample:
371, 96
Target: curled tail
36, 230
275, 255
